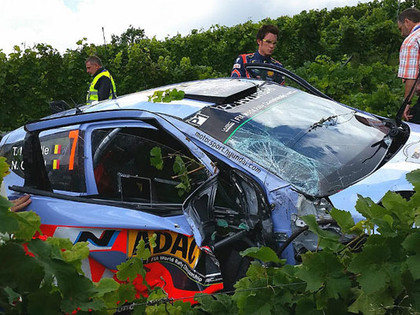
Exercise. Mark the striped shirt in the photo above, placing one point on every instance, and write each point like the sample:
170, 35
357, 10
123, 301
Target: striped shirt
410, 55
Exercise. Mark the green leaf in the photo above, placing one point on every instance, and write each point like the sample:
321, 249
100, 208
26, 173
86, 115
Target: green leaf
385, 225
370, 267
326, 238
157, 96
126, 292
307, 306
142, 252
58, 245
76, 254
364, 205
218, 304
19, 271
152, 242
106, 285
344, 220
107, 290
179, 166
254, 295
88, 305
166, 96
324, 271
43, 301
263, 253
8, 220
4, 168
374, 304
128, 270
75, 288
156, 159
412, 244
373, 280
177, 307
78, 251
414, 178
29, 223
413, 265
402, 211
177, 95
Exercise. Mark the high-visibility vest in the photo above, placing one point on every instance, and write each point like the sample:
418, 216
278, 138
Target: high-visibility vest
92, 94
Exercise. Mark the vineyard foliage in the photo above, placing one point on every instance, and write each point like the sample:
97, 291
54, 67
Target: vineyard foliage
350, 53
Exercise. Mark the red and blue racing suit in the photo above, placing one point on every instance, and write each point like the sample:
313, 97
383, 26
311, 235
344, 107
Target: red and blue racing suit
239, 70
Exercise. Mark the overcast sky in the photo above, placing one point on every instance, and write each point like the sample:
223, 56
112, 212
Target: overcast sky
61, 23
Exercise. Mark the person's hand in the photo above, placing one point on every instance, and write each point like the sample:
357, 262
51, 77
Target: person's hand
20, 203
406, 115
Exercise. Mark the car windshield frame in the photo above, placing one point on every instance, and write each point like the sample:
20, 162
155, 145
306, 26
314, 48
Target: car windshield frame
312, 149
316, 144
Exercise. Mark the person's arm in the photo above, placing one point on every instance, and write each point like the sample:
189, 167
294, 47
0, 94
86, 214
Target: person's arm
408, 85
238, 69
104, 87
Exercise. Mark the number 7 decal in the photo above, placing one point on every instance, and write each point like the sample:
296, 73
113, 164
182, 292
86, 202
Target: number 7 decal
74, 134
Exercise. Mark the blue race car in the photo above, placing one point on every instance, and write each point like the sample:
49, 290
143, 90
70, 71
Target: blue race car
234, 163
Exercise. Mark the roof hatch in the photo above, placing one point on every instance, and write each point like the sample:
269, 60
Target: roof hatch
223, 91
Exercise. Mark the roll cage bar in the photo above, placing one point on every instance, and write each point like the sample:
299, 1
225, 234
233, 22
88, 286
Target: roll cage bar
396, 123
286, 73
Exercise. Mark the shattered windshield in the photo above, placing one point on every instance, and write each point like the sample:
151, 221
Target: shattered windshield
317, 145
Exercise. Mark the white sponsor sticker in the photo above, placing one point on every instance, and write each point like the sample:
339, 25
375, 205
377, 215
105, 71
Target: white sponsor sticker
198, 120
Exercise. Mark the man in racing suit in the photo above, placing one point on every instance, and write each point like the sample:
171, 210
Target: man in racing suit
266, 40
103, 85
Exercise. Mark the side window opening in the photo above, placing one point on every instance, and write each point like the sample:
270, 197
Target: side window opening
127, 167
62, 152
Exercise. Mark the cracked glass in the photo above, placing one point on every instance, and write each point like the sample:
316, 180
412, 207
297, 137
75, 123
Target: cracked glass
317, 145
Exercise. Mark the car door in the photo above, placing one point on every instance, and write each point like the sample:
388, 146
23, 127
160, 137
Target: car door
112, 179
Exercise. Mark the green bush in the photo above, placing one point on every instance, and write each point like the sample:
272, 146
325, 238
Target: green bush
313, 43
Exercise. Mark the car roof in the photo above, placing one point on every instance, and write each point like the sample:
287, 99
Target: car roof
198, 94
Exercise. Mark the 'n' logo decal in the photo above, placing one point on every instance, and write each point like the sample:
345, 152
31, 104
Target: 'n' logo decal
106, 239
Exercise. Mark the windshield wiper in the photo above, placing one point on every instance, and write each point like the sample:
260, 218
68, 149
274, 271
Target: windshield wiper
323, 121
329, 121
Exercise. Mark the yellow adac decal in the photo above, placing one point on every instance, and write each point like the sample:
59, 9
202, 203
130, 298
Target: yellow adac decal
167, 244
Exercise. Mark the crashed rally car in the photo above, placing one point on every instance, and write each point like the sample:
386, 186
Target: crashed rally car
235, 163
